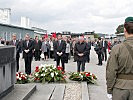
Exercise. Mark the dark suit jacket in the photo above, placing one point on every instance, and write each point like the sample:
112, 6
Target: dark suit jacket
105, 44
37, 45
81, 48
99, 47
18, 47
59, 48
25, 47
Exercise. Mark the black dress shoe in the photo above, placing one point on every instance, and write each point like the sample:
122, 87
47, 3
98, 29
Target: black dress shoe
100, 65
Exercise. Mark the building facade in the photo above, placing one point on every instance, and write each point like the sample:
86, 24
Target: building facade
39, 32
6, 31
89, 35
5, 15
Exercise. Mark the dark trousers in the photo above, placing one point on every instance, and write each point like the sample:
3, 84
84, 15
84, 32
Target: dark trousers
17, 63
100, 58
28, 61
37, 54
51, 54
104, 54
62, 62
88, 57
80, 64
74, 57
67, 57
72, 52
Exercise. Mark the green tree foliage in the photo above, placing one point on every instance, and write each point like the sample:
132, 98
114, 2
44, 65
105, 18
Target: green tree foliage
96, 35
120, 29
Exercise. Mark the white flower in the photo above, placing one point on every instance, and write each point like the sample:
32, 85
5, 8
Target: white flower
54, 67
43, 68
42, 74
56, 73
46, 70
52, 74
50, 70
90, 73
79, 74
36, 74
21, 73
25, 74
19, 78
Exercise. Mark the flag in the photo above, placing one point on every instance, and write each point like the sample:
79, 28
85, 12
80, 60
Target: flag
46, 35
54, 35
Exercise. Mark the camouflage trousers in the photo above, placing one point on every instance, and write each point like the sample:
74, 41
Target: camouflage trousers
122, 94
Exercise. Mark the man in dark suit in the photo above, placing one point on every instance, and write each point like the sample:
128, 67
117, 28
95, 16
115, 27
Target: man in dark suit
81, 51
99, 51
16, 43
104, 49
27, 47
37, 48
89, 48
59, 49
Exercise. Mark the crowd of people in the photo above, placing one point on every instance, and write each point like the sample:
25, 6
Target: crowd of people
119, 69
59, 49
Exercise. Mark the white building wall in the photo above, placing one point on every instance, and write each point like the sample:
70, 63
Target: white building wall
25, 22
5, 15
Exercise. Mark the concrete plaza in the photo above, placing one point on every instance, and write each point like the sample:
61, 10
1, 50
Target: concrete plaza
97, 91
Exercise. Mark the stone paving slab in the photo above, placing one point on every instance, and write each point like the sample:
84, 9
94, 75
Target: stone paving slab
43, 92
58, 93
21, 92
85, 92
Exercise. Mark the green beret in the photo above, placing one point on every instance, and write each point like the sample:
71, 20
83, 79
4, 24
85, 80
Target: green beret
129, 19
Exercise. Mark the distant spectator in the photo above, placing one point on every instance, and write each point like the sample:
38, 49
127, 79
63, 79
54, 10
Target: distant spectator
7, 42
3, 42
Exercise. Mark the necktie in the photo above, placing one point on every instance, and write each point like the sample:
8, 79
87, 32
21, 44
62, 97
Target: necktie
14, 43
59, 42
103, 43
27, 43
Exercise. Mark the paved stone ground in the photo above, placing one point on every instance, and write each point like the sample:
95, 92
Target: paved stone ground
95, 91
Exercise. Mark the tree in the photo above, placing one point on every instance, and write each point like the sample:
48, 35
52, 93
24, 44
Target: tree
96, 35
120, 29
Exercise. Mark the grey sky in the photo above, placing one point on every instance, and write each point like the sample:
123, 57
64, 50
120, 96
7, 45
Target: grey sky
102, 16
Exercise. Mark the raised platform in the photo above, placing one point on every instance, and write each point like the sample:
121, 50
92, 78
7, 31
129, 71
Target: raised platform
57, 92
21, 92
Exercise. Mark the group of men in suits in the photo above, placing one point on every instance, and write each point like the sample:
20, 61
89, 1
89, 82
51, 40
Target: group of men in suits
27, 47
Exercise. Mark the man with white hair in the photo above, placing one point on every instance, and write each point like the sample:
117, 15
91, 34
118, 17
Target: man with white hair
16, 43
81, 50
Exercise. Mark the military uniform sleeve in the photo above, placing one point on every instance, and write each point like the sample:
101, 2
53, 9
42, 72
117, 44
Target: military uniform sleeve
111, 71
